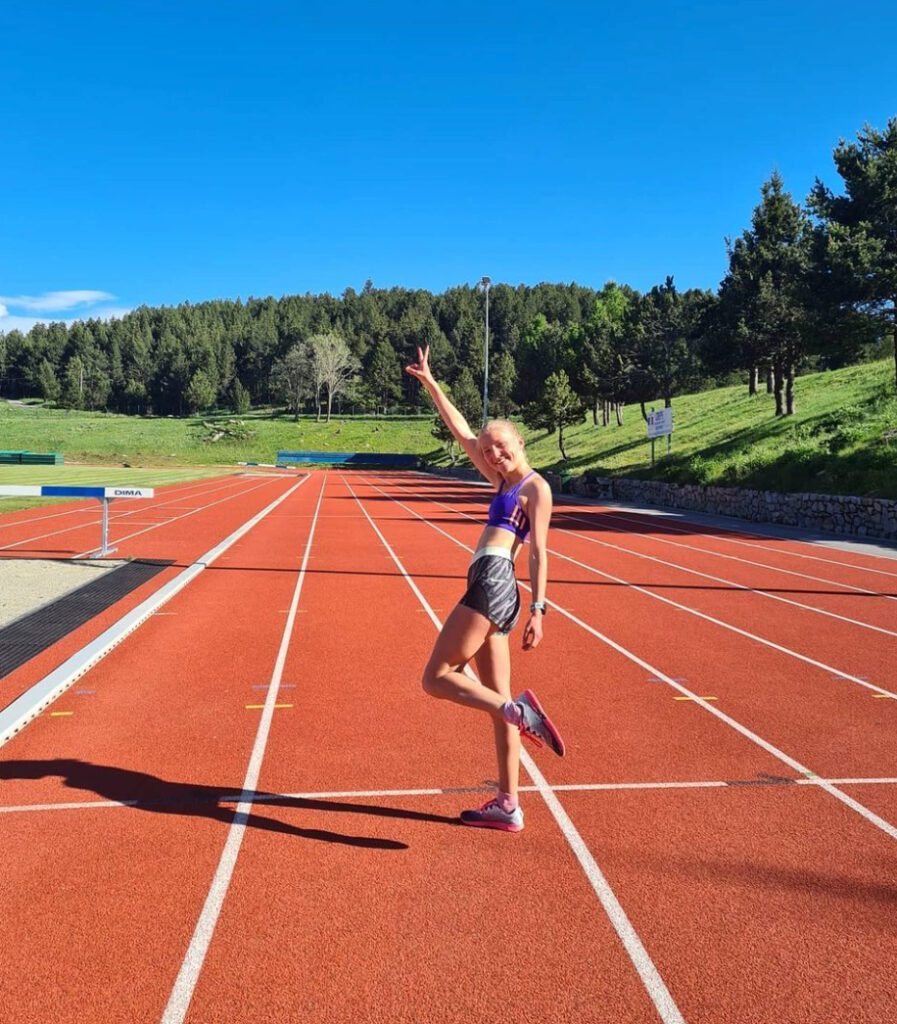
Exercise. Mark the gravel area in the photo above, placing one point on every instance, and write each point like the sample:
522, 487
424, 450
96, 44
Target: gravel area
28, 583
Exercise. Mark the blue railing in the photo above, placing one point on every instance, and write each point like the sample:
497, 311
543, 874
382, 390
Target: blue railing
350, 458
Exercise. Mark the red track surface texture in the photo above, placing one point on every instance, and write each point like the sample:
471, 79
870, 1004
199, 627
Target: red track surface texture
718, 847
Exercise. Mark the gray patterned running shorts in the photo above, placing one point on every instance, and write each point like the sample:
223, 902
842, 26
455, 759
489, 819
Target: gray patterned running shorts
492, 590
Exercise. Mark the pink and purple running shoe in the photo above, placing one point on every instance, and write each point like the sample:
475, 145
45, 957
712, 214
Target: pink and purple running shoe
493, 815
535, 725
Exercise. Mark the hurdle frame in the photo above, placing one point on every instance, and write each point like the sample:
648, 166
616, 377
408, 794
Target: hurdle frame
105, 495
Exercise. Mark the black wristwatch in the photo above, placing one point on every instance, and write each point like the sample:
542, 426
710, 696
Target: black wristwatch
538, 606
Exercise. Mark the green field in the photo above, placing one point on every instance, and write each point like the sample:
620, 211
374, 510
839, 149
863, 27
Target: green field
110, 439
843, 439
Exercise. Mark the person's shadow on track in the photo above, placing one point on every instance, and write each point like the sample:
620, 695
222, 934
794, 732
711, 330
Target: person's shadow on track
147, 792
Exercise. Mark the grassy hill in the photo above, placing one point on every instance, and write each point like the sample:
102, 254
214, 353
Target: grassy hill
843, 439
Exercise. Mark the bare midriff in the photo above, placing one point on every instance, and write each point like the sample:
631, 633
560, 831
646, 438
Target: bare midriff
496, 537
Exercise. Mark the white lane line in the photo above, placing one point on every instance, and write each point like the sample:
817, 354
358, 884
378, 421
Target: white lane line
780, 755
731, 584
590, 517
182, 993
374, 794
86, 805
714, 535
840, 673
38, 697
859, 680
654, 985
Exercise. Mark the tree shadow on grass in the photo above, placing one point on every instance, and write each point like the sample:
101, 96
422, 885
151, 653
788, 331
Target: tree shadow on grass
802, 461
146, 792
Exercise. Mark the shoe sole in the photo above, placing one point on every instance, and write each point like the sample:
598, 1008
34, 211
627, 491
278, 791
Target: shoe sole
501, 826
558, 745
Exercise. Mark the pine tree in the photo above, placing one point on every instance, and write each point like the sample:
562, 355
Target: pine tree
559, 407
860, 227
49, 385
383, 378
766, 291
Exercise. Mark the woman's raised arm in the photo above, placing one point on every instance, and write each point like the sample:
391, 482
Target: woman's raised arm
451, 417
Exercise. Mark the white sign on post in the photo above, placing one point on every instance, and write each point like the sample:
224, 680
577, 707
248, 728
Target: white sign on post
660, 422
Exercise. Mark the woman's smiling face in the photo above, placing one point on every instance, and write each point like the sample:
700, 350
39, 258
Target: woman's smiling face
502, 447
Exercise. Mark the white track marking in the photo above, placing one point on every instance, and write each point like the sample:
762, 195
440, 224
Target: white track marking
182, 993
568, 516
743, 730
859, 680
373, 794
39, 696
729, 583
86, 805
654, 985
649, 520
95, 520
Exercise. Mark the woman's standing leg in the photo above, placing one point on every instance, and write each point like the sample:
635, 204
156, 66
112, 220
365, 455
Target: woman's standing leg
493, 661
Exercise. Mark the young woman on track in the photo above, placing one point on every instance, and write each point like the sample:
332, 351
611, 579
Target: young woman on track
480, 623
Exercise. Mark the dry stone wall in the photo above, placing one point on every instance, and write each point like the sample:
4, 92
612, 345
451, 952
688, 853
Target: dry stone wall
829, 513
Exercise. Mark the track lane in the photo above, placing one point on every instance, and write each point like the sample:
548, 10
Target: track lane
789, 553
793, 704
659, 861
833, 641
866, 608
761, 904
184, 542
417, 932
166, 723
664, 911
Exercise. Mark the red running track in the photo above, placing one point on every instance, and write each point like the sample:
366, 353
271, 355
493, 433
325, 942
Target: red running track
706, 870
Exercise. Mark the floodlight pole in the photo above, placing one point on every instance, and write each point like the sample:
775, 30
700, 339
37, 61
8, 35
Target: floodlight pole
485, 284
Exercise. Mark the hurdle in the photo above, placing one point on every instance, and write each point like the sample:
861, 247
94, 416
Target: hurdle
105, 495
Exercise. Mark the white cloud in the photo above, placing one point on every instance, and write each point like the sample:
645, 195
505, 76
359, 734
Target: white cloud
25, 323
53, 302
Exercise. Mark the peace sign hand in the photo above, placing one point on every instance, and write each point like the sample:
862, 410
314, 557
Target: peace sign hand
421, 369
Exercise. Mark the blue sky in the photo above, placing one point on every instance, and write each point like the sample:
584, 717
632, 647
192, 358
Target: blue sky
161, 152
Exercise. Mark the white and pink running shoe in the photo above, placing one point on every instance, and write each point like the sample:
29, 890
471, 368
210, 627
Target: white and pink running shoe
491, 815
535, 725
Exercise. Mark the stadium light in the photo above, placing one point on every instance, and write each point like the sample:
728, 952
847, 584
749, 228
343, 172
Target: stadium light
485, 284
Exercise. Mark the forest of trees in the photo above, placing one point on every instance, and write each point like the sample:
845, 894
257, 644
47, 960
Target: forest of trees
810, 285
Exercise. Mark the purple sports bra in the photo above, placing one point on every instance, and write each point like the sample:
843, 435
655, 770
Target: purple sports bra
506, 513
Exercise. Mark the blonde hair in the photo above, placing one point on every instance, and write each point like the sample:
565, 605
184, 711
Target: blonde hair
502, 425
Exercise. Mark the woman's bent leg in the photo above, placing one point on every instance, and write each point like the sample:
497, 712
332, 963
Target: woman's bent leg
493, 661
463, 634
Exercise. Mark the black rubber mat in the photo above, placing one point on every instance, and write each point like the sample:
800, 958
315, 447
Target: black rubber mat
28, 636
